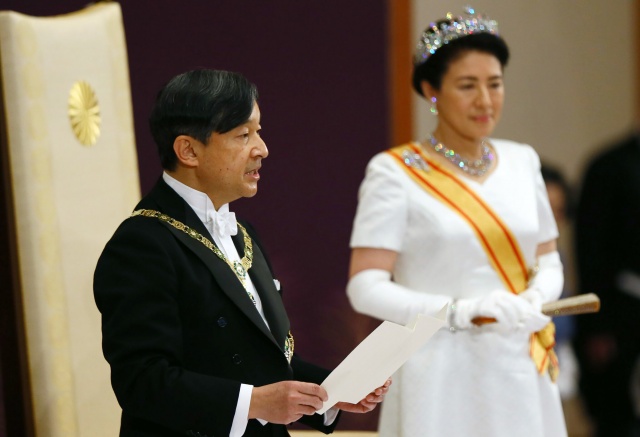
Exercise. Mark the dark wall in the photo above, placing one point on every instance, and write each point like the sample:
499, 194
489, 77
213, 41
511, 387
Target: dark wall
320, 67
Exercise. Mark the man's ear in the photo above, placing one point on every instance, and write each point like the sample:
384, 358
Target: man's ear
184, 147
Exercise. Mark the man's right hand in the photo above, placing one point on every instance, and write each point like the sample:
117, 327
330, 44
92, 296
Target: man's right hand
286, 401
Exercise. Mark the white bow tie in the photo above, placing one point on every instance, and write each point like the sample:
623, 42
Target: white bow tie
224, 223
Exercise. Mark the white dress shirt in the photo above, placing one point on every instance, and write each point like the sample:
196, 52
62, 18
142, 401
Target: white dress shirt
206, 212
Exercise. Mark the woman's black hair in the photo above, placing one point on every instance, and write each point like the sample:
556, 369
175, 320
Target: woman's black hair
434, 68
198, 103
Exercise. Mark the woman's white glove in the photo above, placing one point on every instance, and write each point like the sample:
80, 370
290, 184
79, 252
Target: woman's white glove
372, 292
533, 296
522, 311
546, 285
511, 312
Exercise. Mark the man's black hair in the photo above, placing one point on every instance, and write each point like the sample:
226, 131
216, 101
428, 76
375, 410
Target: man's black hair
198, 103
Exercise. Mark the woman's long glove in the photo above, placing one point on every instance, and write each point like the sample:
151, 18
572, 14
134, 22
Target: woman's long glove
511, 312
546, 285
522, 311
372, 292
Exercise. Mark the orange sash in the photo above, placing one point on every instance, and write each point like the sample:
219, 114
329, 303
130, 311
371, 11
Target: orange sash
497, 240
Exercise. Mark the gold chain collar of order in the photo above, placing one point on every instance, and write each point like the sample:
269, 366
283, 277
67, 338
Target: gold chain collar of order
240, 268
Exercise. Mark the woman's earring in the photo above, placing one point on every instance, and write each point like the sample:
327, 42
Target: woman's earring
433, 108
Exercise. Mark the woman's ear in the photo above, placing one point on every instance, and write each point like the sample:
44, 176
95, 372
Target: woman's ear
184, 147
427, 90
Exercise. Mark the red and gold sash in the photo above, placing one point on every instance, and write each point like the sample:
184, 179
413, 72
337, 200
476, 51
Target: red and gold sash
497, 240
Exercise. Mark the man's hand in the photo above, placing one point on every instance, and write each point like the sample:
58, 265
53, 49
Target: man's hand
369, 402
285, 402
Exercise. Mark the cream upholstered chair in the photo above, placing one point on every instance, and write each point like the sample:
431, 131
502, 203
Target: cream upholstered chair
74, 177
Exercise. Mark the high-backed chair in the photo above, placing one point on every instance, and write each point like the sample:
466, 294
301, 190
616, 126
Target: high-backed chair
71, 172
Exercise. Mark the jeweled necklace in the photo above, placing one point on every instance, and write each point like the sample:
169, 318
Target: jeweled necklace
477, 167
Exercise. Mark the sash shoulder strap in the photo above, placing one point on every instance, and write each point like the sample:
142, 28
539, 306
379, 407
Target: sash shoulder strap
497, 240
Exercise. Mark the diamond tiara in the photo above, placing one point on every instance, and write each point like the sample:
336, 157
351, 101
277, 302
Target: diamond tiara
449, 29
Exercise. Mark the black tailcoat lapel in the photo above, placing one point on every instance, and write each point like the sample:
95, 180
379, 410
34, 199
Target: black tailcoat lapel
170, 203
262, 279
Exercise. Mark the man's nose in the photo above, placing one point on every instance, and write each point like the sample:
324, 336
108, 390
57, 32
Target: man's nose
263, 151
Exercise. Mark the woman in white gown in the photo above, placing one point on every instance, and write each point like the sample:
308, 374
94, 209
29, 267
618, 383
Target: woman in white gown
458, 220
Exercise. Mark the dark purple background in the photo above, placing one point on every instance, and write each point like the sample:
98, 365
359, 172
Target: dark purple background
320, 67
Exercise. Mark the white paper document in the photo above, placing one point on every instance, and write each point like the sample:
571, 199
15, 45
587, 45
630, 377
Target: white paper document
377, 357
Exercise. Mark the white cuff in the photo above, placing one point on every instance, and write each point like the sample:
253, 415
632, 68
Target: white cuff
330, 416
241, 418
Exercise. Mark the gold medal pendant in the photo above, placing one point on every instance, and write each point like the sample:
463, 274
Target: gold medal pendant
288, 347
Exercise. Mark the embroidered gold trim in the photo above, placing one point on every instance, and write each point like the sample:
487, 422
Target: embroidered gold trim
239, 268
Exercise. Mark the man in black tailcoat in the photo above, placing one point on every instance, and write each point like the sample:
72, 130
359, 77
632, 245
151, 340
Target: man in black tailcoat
193, 324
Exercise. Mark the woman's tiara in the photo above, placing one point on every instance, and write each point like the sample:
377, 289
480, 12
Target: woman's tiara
449, 29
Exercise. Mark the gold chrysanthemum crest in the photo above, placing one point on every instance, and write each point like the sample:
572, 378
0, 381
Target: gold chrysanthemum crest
84, 113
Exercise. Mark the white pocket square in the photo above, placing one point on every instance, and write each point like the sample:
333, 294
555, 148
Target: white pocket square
277, 284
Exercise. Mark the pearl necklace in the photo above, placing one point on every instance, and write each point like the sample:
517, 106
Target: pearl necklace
476, 167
